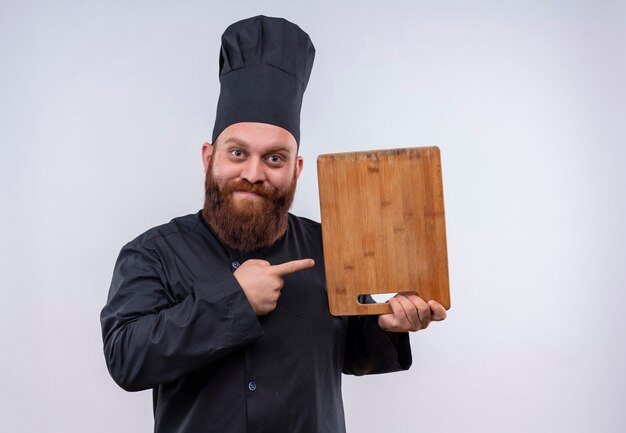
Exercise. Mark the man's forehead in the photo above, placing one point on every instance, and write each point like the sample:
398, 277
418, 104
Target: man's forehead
253, 135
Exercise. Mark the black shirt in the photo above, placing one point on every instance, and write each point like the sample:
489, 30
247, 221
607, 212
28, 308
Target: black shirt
178, 322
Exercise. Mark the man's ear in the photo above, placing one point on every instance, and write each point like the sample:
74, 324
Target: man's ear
299, 166
207, 152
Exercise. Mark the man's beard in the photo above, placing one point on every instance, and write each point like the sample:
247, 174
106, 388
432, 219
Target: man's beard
251, 224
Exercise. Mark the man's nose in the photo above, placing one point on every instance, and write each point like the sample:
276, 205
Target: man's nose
253, 171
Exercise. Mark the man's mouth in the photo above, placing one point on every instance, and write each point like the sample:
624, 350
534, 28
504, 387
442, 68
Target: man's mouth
247, 195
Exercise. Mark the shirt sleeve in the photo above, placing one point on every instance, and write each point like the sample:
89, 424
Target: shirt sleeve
371, 350
151, 337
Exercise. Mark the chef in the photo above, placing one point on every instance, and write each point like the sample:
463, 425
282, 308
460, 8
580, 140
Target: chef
224, 313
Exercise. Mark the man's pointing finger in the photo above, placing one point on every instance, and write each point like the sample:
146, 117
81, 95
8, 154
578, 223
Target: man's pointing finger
293, 266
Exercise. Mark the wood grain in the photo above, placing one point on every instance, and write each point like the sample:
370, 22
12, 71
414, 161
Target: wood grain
383, 226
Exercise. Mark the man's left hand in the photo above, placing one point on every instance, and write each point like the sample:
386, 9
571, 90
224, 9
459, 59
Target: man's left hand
410, 313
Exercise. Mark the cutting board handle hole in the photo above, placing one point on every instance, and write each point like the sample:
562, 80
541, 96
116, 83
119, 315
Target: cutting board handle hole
379, 298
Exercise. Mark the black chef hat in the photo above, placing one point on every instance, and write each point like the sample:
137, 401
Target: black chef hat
265, 64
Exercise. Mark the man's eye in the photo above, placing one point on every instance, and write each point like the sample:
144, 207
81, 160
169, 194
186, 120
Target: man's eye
237, 153
276, 159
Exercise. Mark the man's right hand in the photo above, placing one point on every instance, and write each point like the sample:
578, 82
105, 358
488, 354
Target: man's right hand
262, 282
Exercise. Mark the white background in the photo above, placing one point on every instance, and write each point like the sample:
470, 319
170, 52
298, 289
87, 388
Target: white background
104, 107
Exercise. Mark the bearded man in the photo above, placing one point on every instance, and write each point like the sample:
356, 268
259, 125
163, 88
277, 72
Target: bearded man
224, 313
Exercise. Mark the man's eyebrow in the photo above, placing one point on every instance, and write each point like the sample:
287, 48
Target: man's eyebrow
236, 140
276, 147
279, 148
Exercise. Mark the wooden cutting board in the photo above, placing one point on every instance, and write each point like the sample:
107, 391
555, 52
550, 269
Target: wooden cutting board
383, 226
